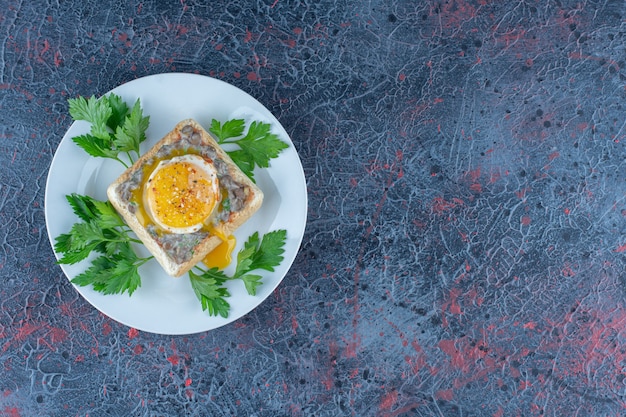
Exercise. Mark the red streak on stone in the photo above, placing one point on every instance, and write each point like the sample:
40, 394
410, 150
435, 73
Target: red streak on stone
46, 47
610, 62
457, 358
24, 331
294, 324
248, 36
419, 361
389, 400
511, 37
11, 412
445, 395
522, 193
524, 384
475, 297
252, 76
352, 346
174, 359
138, 350
455, 14
621, 248
530, 325
132, 333
453, 304
440, 205
474, 175
567, 271
57, 335
553, 155
526, 220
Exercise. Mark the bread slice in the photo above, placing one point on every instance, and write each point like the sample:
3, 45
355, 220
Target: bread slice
178, 253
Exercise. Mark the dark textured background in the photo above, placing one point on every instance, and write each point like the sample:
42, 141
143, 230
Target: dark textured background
464, 251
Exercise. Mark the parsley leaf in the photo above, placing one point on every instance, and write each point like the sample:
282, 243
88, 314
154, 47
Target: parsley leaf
210, 291
230, 129
102, 230
265, 254
251, 282
268, 253
255, 254
119, 110
82, 206
123, 276
133, 131
108, 217
113, 128
95, 146
96, 274
256, 147
97, 112
112, 274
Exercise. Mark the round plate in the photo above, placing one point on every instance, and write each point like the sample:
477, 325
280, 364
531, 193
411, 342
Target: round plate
163, 304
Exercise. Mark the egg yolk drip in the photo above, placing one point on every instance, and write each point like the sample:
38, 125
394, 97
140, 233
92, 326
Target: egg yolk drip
221, 256
182, 193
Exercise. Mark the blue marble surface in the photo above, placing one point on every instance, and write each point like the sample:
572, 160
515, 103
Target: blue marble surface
465, 247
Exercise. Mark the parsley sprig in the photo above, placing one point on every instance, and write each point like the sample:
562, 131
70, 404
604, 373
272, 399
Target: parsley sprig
101, 230
115, 128
265, 253
256, 147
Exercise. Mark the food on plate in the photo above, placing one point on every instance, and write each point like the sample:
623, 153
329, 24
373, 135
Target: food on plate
184, 198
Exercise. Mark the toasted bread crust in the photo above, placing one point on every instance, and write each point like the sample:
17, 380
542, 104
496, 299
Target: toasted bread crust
248, 191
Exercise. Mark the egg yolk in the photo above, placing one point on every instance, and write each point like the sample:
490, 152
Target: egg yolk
221, 256
180, 195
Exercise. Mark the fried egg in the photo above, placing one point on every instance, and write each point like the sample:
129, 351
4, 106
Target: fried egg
182, 193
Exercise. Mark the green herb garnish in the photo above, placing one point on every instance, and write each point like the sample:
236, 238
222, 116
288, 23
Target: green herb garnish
101, 230
256, 147
114, 127
266, 254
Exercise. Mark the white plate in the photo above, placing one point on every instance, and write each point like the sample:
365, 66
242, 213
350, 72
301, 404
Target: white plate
164, 304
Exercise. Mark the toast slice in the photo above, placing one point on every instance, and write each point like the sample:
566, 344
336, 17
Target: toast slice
178, 252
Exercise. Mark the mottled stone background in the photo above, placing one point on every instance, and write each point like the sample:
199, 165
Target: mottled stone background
465, 246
